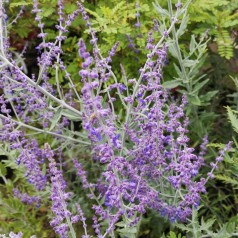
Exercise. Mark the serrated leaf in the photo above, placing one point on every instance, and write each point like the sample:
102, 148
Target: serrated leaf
21, 3
232, 118
183, 227
93, 13
206, 225
235, 80
129, 232
225, 232
220, 3
216, 145
46, 12
119, 6
70, 8
228, 180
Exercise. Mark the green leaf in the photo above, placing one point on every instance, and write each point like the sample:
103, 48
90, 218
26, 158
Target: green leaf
194, 100
178, 71
221, 3
70, 8
119, 6
145, 8
232, 118
172, 234
183, 26
217, 145
206, 225
208, 96
173, 51
235, 80
189, 63
172, 84
46, 12
121, 224
44, 169
3, 170
183, 227
70, 115
192, 44
93, 13
160, 10
129, 230
199, 86
228, 180
20, 3
56, 118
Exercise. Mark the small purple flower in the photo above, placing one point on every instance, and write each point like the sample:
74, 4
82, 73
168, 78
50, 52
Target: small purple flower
178, 5
137, 24
210, 175
84, 73
166, 34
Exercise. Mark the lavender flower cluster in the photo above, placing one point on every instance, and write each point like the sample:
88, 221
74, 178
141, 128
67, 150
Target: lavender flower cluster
145, 158
13, 235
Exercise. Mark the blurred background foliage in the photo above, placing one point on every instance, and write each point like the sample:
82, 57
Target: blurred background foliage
210, 31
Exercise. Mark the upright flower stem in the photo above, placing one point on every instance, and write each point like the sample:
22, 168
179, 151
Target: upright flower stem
73, 234
138, 82
2, 28
176, 42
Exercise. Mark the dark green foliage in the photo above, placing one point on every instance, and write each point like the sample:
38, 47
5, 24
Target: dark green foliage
15, 215
196, 229
219, 17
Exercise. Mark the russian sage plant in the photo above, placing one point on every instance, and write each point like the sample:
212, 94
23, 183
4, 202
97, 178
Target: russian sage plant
143, 160
13, 235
